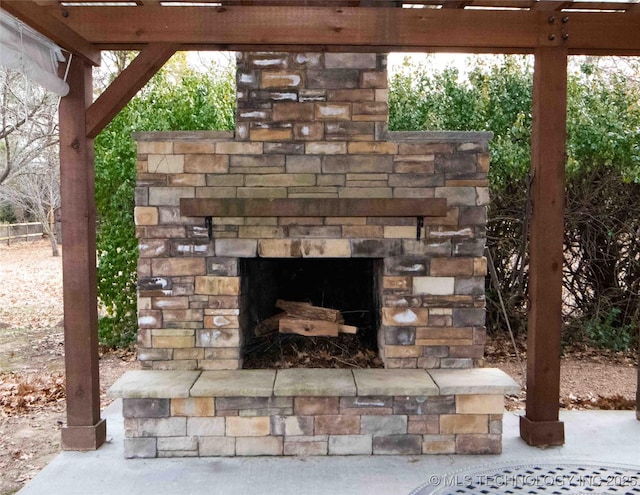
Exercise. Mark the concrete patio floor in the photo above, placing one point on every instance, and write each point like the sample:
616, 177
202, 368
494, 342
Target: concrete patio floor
592, 437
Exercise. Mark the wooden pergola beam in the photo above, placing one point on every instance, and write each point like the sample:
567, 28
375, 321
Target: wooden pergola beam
126, 85
37, 17
377, 29
541, 425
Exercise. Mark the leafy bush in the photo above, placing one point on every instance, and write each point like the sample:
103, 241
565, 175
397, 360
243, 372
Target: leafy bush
602, 253
197, 101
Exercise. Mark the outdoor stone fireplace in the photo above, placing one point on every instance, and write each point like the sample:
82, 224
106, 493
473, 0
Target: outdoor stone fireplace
311, 186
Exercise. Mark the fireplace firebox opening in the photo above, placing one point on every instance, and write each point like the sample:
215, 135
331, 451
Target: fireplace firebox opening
351, 286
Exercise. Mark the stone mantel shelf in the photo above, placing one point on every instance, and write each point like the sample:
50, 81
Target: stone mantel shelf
313, 207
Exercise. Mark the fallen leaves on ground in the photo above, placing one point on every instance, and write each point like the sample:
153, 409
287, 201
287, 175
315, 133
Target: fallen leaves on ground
25, 393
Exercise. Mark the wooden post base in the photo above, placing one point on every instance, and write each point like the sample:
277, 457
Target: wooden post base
84, 437
541, 433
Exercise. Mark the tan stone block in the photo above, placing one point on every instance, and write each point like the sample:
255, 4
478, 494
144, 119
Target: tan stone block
346, 220
285, 180
169, 196
182, 315
175, 302
444, 333
195, 406
479, 404
222, 286
178, 266
367, 192
480, 267
261, 232
424, 425
145, 215
309, 131
351, 95
451, 267
165, 164
219, 337
206, 164
155, 147
369, 118
373, 147
339, 424
167, 342
314, 406
270, 134
326, 148
333, 111
180, 180
188, 353
326, 248
363, 231
382, 95
279, 248
239, 148
438, 286
402, 351
243, 426
221, 321
404, 316
453, 424
292, 111
374, 79
200, 146
281, 79
399, 232
396, 283
144, 303
483, 162
216, 446
262, 192
250, 446
439, 444
141, 165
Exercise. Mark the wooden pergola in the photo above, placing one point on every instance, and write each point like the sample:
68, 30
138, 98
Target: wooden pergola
550, 29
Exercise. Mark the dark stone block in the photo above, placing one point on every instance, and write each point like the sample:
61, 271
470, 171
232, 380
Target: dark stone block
478, 444
146, 408
436, 351
418, 406
231, 403
469, 317
399, 335
397, 444
154, 283
333, 79
469, 247
405, 265
227, 267
375, 248
283, 148
458, 163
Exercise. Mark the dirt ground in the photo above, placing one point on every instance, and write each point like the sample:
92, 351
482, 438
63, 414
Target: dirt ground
32, 403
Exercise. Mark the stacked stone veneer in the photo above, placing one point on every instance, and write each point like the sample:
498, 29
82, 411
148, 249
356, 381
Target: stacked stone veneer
312, 412
311, 126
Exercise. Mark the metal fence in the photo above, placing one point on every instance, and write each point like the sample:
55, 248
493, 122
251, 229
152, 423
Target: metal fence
20, 232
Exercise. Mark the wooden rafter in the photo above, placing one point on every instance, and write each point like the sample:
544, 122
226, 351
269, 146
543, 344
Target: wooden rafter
126, 85
376, 29
37, 17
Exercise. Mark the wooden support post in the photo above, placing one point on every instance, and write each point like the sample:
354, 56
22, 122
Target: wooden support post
540, 426
84, 430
